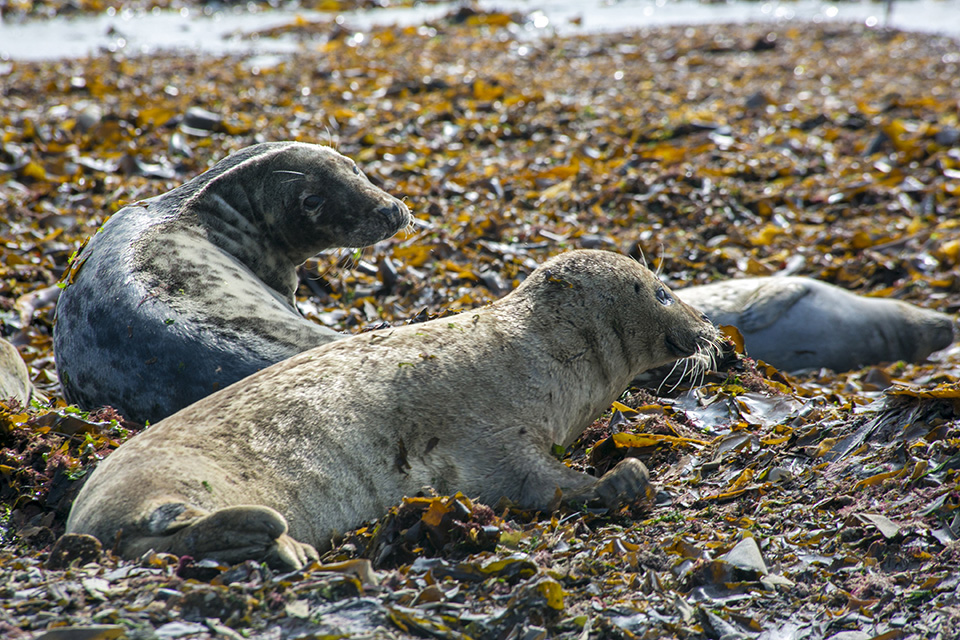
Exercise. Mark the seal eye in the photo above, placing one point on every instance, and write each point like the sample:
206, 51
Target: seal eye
664, 297
356, 170
312, 201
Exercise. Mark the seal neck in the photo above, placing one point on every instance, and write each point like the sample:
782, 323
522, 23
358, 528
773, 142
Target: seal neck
233, 221
229, 230
593, 371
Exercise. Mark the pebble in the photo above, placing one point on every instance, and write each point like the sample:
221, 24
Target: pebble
199, 122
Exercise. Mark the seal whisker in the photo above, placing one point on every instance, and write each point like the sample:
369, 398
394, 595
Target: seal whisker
299, 174
643, 256
323, 274
703, 363
694, 372
349, 260
667, 377
683, 374
333, 140
410, 229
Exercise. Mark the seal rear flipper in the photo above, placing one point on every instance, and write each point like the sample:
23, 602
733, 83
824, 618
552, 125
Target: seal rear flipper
229, 535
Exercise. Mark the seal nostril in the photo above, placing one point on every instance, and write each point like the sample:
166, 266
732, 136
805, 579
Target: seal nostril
391, 212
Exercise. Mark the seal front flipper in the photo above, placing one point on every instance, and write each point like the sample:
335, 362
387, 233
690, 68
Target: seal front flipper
627, 482
229, 535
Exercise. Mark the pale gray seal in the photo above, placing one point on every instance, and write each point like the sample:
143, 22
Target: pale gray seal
185, 293
797, 323
15, 380
331, 438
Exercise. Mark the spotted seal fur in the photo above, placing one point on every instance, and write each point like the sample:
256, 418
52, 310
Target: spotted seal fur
275, 465
185, 293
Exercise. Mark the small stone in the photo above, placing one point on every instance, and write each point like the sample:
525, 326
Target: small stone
89, 117
388, 273
87, 632
74, 547
746, 555
774, 581
948, 137
492, 281
179, 146
298, 609
199, 121
887, 527
756, 100
597, 241
879, 143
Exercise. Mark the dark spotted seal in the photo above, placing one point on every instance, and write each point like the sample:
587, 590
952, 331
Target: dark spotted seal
799, 323
276, 464
183, 294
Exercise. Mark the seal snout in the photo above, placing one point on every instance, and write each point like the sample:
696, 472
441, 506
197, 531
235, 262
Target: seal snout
396, 214
678, 349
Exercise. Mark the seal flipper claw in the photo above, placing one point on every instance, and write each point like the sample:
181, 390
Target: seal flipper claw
231, 535
288, 552
625, 483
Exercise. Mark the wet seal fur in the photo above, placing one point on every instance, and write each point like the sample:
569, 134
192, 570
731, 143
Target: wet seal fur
798, 323
276, 465
185, 293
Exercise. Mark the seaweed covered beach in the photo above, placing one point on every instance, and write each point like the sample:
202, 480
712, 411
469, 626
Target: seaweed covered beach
812, 505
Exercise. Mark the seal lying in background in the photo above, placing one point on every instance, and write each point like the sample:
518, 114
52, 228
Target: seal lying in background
332, 437
800, 323
183, 294
15, 380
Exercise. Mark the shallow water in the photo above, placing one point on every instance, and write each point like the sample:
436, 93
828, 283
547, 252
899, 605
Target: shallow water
218, 33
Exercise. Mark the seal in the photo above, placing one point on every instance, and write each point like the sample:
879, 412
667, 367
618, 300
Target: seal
276, 465
15, 383
796, 323
185, 293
